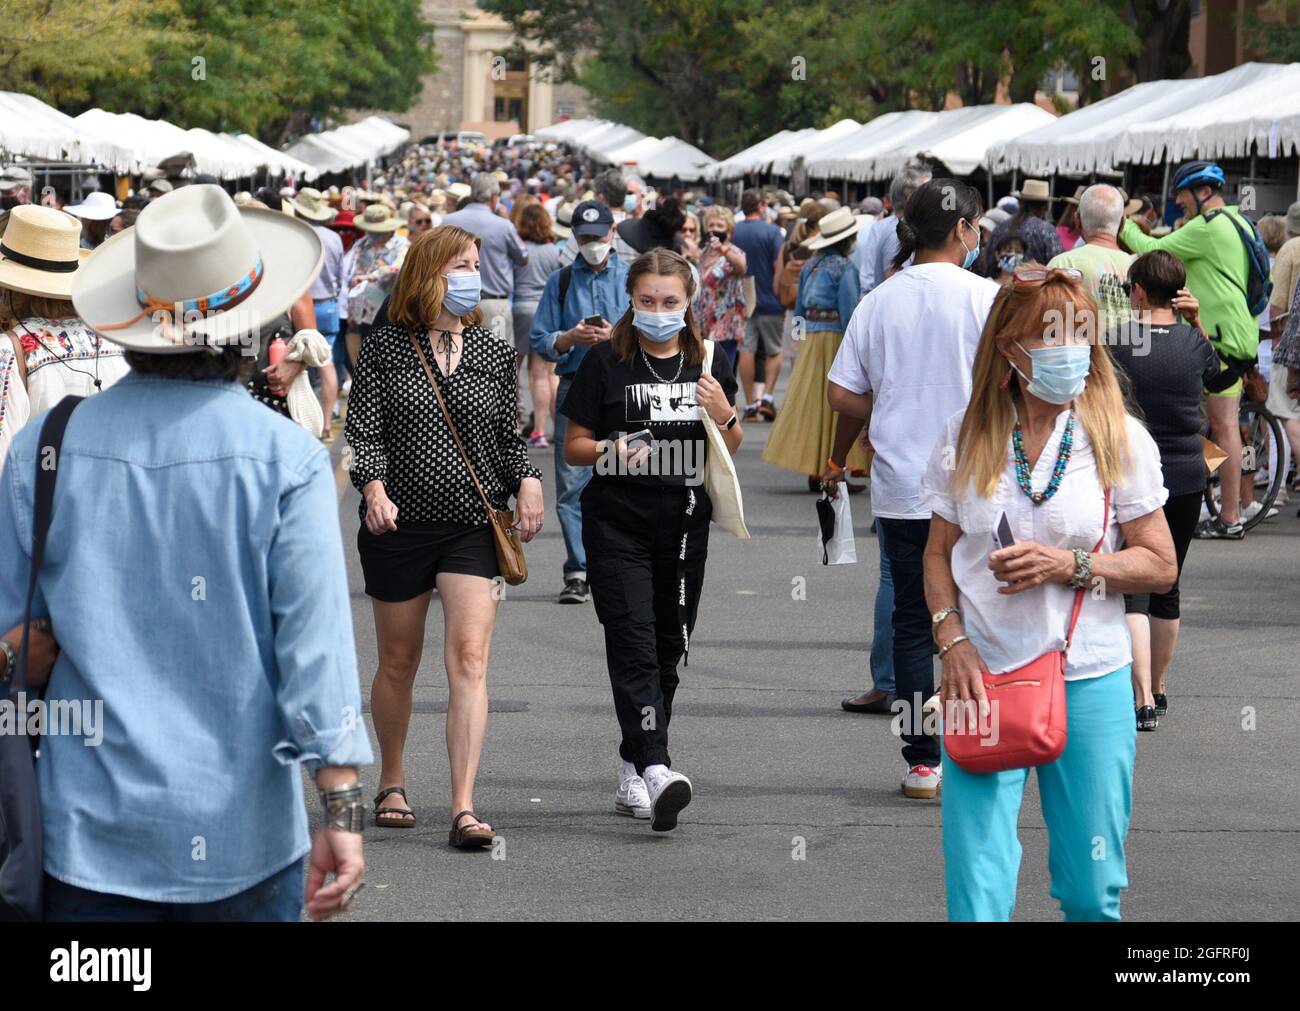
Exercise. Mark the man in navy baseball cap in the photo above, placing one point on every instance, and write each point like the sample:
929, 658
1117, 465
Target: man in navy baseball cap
592, 218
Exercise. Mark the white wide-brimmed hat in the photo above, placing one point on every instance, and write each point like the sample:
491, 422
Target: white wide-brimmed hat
228, 270
833, 226
459, 190
310, 204
378, 217
40, 252
97, 206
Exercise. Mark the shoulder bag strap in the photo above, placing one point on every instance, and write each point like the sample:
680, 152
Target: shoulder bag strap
1078, 596
451, 425
51, 441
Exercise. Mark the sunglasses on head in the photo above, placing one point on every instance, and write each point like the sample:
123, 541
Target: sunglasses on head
1037, 275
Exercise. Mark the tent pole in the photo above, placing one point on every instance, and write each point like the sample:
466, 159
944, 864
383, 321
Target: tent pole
990, 182
1164, 190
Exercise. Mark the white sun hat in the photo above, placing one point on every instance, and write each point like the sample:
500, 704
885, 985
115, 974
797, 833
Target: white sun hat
97, 206
228, 270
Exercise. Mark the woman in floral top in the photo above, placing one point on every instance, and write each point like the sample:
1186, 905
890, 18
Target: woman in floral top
375, 259
46, 352
719, 307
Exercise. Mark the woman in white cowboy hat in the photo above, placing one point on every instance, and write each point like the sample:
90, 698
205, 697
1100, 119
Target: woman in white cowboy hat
95, 212
46, 351
803, 438
213, 617
369, 270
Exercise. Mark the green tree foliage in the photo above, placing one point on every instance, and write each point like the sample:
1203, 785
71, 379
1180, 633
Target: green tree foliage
725, 73
264, 66
1273, 30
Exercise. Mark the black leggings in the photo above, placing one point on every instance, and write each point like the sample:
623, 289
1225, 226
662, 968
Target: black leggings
1182, 513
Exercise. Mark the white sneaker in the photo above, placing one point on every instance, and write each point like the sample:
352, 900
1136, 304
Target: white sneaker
1252, 510
632, 798
923, 782
669, 793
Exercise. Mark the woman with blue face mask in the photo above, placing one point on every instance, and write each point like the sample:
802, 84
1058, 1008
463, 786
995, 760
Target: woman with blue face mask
1046, 498
423, 523
636, 413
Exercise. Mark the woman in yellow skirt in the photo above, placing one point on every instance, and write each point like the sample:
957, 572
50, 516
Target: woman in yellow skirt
804, 432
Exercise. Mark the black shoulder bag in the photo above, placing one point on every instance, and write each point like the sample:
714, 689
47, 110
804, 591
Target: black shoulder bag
22, 868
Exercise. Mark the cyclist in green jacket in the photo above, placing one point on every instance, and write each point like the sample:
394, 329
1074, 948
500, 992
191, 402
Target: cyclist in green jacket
1218, 272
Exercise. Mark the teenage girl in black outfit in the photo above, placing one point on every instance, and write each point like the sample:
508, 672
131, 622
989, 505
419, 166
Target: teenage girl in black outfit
1167, 364
645, 513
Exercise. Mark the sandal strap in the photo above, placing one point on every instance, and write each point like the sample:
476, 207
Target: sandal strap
382, 794
455, 822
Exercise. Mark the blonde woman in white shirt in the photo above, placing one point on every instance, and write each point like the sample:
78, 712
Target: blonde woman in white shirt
1045, 436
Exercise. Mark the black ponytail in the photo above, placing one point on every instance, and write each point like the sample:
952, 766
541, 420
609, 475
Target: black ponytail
931, 213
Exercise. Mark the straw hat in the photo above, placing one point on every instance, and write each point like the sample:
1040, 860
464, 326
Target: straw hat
378, 217
231, 270
561, 226
834, 226
310, 204
39, 253
1078, 195
1034, 189
459, 190
94, 207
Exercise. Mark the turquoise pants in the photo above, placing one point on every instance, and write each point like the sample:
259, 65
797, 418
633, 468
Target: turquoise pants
1087, 797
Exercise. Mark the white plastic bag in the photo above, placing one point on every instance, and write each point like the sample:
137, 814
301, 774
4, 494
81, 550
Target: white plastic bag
839, 548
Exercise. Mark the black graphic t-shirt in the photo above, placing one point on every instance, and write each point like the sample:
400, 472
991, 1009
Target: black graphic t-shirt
614, 399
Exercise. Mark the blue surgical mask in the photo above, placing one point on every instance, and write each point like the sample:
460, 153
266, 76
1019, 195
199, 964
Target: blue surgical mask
971, 254
1010, 261
1060, 373
463, 293
659, 327
629, 203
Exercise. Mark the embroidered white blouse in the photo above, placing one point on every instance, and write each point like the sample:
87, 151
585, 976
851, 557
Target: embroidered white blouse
62, 360
1012, 630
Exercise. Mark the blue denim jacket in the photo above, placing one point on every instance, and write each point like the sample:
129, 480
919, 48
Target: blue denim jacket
827, 281
195, 581
591, 293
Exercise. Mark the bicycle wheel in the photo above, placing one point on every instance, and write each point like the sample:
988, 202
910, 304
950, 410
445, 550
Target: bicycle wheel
1261, 446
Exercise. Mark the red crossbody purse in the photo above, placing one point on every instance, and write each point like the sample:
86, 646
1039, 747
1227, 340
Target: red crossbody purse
1027, 721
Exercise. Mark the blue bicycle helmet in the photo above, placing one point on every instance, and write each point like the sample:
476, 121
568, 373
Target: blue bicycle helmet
1198, 173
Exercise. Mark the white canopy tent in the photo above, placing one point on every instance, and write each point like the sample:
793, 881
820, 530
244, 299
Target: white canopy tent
31, 128
849, 156
1214, 115
349, 146
780, 161
676, 159
960, 138
745, 161
566, 129
1262, 117
605, 137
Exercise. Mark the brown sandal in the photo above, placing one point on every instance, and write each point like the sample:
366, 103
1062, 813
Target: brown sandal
469, 838
393, 817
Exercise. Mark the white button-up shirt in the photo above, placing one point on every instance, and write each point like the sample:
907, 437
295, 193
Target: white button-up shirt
1012, 630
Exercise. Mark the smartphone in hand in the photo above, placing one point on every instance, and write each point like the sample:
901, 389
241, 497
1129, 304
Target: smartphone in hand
594, 321
1002, 535
637, 440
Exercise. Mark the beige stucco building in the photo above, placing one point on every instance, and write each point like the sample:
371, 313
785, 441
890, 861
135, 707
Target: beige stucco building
476, 86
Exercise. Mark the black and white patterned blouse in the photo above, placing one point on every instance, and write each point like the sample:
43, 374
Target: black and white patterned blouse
398, 436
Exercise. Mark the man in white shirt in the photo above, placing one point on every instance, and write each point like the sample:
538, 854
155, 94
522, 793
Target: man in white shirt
903, 369
881, 246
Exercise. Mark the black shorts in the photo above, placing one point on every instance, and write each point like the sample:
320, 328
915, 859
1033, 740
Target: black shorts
404, 563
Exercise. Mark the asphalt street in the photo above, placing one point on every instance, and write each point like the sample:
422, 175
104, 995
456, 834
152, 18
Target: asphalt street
798, 812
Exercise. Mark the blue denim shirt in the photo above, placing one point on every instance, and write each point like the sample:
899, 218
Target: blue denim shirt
194, 577
827, 281
591, 293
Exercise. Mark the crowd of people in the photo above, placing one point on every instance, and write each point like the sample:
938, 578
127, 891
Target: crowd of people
993, 374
